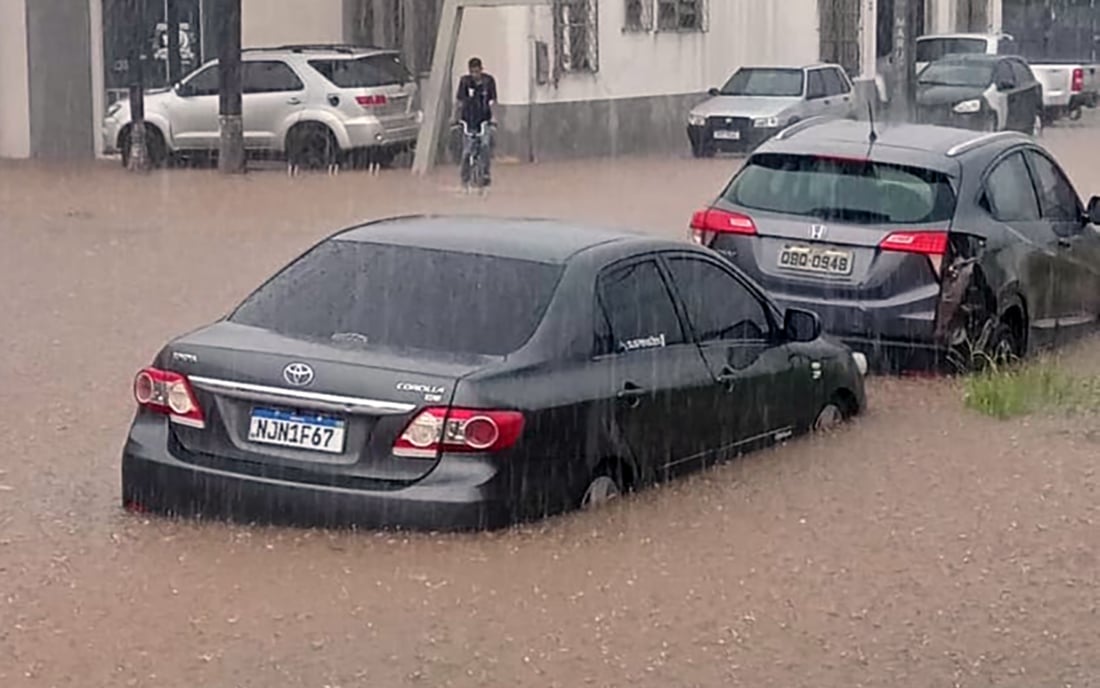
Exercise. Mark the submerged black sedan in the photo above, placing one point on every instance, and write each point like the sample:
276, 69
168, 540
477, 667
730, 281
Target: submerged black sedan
456, 373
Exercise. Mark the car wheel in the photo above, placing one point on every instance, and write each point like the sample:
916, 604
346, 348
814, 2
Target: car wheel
312, 146
1003, 347
155, 147
829, 418
603, 488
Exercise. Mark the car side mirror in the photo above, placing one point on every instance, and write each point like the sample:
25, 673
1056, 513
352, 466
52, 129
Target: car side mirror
801, 326
1093, 212
713, 92
183, 90
1005, 85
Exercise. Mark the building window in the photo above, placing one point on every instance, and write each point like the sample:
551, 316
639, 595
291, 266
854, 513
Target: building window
681, 15
639, 15
576, 36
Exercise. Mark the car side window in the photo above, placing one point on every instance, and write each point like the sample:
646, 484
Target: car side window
635, 310
815, 85
1010, 193
1058, 201
1021, 72
835, 84
205, 83
1002, 74
719, 307
269, 77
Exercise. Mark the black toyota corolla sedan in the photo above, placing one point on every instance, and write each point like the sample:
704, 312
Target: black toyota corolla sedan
456, 373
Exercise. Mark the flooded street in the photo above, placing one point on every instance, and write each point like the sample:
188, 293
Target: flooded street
923, 545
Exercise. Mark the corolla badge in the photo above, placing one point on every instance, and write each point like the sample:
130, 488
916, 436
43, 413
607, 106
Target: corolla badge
818, 231
298, 374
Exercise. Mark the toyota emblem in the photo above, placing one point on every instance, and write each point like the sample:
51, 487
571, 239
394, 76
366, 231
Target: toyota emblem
817, 231
298, 374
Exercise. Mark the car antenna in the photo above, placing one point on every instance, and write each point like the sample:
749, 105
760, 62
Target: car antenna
873, 136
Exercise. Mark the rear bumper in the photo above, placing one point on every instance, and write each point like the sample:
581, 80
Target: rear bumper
457, 495
368, 132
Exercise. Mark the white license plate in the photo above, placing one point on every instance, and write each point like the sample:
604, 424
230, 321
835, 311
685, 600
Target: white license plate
727, 135
300, 431
824, 261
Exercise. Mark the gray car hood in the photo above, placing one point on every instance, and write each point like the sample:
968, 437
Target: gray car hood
744, 106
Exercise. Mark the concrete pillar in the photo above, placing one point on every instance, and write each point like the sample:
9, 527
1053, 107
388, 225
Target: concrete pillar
15, 122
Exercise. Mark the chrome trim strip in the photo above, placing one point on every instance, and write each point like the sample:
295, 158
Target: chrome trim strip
277, 395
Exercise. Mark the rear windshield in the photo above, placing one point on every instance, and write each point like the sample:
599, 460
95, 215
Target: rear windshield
950, 73
785, 83
854, 191
364, 72
394, 296
932, 49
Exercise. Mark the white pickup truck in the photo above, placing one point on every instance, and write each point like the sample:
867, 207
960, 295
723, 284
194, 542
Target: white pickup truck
1067, 86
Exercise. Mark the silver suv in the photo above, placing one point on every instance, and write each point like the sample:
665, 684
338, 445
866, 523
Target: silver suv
758, 102
314, 104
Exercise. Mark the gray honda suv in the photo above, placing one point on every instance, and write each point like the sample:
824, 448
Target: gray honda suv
919, 245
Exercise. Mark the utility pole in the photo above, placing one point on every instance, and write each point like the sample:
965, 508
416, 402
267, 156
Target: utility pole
139, 153
904, 60
172, 22
231, 154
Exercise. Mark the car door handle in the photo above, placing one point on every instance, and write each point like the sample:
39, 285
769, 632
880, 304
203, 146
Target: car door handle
294, 101
631, 393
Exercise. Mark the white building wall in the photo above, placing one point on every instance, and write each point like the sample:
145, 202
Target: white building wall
633, 65
279, 22
15, 125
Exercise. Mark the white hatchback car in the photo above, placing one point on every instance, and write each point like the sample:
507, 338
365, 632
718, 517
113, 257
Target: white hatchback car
314, 104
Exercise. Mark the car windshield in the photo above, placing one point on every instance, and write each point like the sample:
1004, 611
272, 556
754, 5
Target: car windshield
932, 49
786, 83
366, 294
948, 73
365, 72
854, 191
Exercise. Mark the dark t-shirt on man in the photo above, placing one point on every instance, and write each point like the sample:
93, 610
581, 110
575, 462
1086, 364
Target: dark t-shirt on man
475, 97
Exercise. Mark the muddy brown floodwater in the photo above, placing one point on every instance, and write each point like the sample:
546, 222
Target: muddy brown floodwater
921, 546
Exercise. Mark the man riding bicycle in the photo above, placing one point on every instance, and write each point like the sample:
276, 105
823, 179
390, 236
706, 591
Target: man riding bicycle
477, 93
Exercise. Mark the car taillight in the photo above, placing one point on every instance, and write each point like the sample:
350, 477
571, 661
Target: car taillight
1078, 83
371, 101
439, 429
931, 244
163, 391
708, 223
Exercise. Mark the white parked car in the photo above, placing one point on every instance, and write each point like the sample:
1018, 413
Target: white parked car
312, 103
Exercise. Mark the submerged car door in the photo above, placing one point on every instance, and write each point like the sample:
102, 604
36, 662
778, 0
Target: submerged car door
1028, 258
761, 387
1078, 265
193, 111
659, 384
273, 94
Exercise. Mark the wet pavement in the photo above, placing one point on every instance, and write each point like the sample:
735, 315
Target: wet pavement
923, 545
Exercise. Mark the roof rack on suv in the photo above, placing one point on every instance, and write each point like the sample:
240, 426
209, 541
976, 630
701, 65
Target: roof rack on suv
317, 47
979, 141
800, 126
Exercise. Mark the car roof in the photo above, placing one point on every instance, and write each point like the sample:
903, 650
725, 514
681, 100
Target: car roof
328, 50
971, 57
531, 239
963, 35
923, 144
815, 65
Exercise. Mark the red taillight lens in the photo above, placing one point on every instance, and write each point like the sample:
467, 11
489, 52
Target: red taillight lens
708, 223
163, 391
458, 430
1078, 83
371, 101
931, 244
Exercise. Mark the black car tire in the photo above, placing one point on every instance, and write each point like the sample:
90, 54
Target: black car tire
702, 151
829, 418
155, 147
1003, 347
606, 485
312, 146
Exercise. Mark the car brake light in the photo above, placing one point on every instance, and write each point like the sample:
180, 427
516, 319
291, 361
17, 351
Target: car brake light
458, 430
1078, 83
169, 393
932, 244
371, 101
708, 223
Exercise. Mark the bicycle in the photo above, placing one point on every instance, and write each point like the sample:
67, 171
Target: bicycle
475, 144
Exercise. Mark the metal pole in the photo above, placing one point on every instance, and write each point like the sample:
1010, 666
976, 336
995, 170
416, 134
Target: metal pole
139, 154
231, 155
172, 21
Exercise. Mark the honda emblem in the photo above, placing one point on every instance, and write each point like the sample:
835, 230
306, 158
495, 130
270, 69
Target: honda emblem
817, 232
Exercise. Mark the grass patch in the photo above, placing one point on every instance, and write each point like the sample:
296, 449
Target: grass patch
1007, 392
